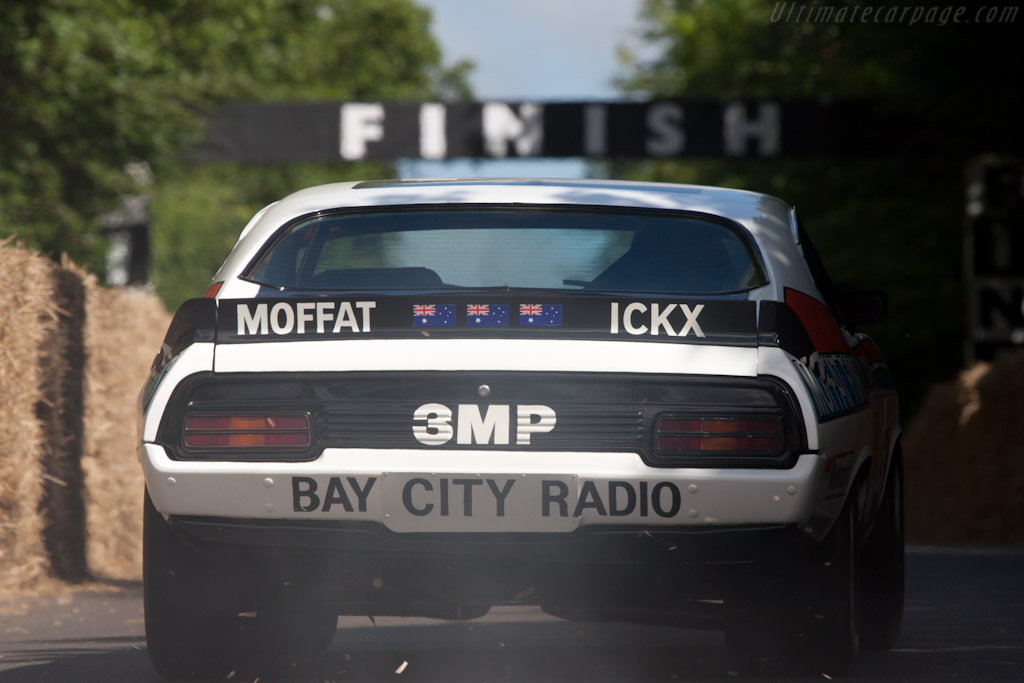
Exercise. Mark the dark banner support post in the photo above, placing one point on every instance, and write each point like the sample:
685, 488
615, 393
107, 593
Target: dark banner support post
668, 129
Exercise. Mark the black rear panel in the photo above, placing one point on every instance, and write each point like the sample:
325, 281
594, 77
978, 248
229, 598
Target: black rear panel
585, 412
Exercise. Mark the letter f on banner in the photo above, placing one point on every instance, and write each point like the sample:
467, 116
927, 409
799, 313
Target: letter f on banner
360, 123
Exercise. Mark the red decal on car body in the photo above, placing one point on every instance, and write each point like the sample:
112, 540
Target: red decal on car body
821, 326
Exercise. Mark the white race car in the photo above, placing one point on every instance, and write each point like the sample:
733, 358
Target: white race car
614, 400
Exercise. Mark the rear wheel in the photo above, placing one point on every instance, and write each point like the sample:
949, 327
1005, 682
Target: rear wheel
807, 620
883, 567
207, 617
192, 603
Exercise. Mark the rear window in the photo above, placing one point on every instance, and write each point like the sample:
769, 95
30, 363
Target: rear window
483, 248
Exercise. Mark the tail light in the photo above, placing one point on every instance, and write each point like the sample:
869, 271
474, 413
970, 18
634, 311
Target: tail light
745, 435
212, 431
212, 290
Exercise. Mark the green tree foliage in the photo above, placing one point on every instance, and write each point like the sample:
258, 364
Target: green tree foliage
199, 211
894, 222
87, 87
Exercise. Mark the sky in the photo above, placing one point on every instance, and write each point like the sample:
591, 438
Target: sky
541, 50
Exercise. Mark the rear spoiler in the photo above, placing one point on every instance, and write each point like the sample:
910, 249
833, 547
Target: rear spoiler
723, 322
699, 321
194, 322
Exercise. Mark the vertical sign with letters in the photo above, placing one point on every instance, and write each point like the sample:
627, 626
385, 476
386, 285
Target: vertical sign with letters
995, 263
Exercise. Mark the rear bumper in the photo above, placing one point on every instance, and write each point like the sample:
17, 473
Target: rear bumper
547, 493
598, 545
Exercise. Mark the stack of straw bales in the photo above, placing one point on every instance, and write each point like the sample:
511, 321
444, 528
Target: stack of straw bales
73, 357
965, 458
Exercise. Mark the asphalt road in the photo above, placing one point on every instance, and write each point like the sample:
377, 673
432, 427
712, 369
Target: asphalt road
964, 622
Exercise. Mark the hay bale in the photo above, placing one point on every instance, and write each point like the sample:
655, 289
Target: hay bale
965, 458
123, 331
73, 357
27, 312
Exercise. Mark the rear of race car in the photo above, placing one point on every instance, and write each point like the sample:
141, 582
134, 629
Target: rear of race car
433, 410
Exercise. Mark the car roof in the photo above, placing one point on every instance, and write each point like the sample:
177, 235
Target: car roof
768, 219
738, 205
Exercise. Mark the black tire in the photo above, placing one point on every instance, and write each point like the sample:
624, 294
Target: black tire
807, 621
882, 561
206, 617
833, 622
193, 605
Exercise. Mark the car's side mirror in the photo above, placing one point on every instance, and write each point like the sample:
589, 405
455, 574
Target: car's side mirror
861, 308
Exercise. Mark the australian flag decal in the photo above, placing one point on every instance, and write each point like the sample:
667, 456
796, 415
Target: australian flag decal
486, 315
433, 315
540, 315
